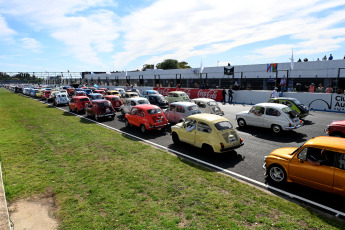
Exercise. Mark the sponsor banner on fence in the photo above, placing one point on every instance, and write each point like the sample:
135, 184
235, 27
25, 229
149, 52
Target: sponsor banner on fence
215, 94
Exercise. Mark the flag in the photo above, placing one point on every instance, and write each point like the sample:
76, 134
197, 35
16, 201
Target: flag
95, 85
126, 73
272, 67
108, 72
292, 64
201, 67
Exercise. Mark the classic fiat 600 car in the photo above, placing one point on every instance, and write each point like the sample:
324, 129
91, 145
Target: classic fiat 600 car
99, 91
147, 117
293, 103
60, 99
336, 129
277, 117
95, 96
319, 163
177, 111
127, 106
158, 99
208, 105
99, 108
212, 133
115, 101
128, 95
146, 93
175, 96
113, 92
77, 103
80, 93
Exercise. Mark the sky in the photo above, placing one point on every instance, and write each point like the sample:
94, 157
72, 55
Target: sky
119, 35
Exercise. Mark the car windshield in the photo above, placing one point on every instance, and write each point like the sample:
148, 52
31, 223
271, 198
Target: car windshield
286, 110
193, 108
160, 98
212, 103
104, 104
115, 99
84, 99
98, 97
143, 102
297, 102
223, 125
154, 111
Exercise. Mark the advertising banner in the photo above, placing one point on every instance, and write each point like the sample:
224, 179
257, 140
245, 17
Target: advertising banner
215, 94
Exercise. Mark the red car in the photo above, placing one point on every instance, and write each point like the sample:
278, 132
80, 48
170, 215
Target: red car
115, 101
147, 117
80, 93
336, 129
99, 91
70, 91
46, 94
99, 108
77, 103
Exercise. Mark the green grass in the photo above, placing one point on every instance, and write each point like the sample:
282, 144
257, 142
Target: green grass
103, 180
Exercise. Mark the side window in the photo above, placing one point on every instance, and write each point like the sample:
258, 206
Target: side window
202, 105
133, 103
303, 154
72, 100
272, 112
134, 111
172, 107
170, 95
175, 95
288, 104
340, 161
179, 109
141, 113
257, 110
202, 127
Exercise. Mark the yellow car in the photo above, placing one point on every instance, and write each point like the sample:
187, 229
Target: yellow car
113, 92
40, 93
175, 96
319, 163
212, 133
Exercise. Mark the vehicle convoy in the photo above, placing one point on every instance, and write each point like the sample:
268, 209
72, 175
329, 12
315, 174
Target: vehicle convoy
293, 103
147, 117
208, 105
178, 111
336, 129
77, 103
175, 96
277, 117
319, 163
212, 133
99, 108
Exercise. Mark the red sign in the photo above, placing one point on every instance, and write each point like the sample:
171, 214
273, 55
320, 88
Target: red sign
215, 94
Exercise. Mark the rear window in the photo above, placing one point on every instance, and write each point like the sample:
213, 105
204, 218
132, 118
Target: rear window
286, 110
193, 108
223, 125
154, 111
104, 104
84, 99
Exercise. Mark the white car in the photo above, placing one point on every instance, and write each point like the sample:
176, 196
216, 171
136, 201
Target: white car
61, 99
127, 106
178, 111
208, 105
277, 117
121, 91
128, 95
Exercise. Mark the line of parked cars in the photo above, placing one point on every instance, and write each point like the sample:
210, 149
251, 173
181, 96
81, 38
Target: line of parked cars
319, 163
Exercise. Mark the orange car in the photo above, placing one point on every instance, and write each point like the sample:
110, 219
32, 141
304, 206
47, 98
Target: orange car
77, 103
319, 163
115, 101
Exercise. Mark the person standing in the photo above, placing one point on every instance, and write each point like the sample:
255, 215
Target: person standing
329, 89
230, 92
330, 57
274, 93
320, 88
224, 95
311, 88
324, 58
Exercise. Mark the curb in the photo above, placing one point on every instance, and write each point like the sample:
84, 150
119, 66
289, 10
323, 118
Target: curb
4, 215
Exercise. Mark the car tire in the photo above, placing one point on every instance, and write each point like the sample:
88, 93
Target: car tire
207, 149
276, 174
127, 123
70, 109
336, 135
175, 138
241, 122
276, 129
122, 112
143, 128
112, 117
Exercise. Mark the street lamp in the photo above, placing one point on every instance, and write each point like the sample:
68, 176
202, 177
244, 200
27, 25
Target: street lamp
217, 63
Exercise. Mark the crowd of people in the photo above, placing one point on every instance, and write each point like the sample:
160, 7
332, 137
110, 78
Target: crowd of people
330, 58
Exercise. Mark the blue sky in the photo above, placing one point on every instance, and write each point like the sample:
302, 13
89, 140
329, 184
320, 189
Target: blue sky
107, 35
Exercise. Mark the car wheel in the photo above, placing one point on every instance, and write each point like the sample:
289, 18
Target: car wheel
122, 112
142, 128
175, 138
112, 117
277, 174
207, 149
70, 109
276, 129
241, 122
127, 123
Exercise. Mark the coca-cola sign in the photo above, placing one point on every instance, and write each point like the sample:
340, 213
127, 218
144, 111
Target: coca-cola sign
214, 94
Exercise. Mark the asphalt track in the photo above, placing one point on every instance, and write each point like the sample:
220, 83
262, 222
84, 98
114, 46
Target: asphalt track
246, 162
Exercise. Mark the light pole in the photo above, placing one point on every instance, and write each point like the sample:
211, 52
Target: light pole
217, 63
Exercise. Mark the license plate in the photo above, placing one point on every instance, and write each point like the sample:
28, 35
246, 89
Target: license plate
159, 120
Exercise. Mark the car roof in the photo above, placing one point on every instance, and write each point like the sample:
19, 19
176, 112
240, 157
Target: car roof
328, 143
137, 98
177, 92
283, 98
182, 103
100, 100
95, 94
111, 96
146, 106
80, 97
202, 99
271, 105
207, 117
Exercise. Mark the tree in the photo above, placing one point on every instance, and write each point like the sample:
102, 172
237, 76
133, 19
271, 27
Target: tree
147, 66
172, 64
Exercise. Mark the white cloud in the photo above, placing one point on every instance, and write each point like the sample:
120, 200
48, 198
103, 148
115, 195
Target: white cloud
5, 31
30, 43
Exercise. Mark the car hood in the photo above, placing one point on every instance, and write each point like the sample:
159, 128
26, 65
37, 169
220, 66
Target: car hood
243, 112
338, 123
284, 153
178, 125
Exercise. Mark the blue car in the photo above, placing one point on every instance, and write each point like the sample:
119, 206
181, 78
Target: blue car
95, 96
87, 91
146, 93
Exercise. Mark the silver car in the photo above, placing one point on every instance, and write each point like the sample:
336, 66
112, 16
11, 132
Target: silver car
178, 111
127, 106
208, 105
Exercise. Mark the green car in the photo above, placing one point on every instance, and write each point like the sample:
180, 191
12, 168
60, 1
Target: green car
293, 103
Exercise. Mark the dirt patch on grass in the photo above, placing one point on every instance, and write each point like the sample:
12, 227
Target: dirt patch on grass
35, 213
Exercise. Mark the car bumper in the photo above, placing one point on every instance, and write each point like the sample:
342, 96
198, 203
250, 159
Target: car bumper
294, 127
231, 148
159, 126
106, 115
